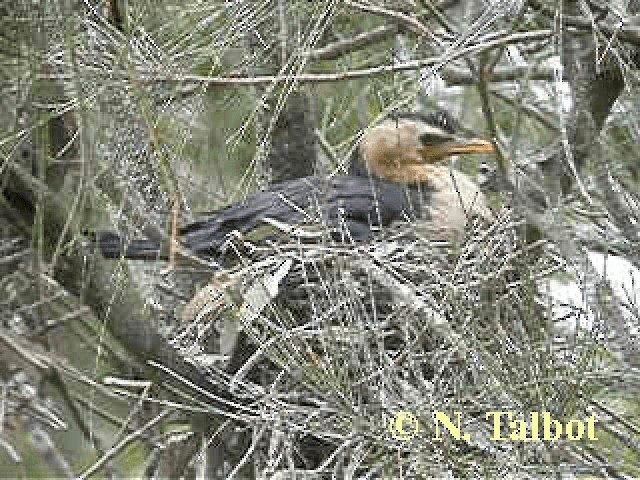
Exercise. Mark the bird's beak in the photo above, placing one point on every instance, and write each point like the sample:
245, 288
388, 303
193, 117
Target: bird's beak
472, 145
456, 146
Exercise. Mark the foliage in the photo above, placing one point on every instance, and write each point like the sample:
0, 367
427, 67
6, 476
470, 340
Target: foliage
118, 114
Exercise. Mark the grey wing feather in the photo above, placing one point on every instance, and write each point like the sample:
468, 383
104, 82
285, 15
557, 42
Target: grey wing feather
361, 202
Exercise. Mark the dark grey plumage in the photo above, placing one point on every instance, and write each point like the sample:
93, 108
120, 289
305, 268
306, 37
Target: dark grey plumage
396, 174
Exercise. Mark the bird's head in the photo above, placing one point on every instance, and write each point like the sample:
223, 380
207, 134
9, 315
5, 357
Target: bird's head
407, 147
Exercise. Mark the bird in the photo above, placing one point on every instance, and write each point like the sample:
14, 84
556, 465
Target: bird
398, 172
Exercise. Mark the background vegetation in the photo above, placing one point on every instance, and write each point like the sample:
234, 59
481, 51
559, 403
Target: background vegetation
119, 115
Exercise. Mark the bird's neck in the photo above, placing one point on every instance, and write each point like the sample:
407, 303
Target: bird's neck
416, 174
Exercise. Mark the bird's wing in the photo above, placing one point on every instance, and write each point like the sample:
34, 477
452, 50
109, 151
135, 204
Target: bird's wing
357, 203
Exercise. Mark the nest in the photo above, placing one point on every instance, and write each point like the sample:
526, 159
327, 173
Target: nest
367, 329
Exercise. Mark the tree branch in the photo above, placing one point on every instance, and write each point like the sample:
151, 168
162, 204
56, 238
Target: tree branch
486, 43
407, 21
342, 47
118, 305
629, 34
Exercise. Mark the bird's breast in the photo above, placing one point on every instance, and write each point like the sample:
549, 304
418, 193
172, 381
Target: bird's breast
446, 204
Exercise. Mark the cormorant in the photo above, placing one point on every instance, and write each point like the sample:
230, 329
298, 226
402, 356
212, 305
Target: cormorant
398, 172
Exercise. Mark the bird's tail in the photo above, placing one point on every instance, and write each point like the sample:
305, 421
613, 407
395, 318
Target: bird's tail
112, 245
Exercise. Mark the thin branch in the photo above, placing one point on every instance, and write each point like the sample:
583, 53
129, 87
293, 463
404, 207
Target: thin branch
458, 76
410, 23
58, 382
121, 307
120, 446
342, 47
483, 91
326, 147
542, 117
628, 34
492, 42
461, 76
439, 16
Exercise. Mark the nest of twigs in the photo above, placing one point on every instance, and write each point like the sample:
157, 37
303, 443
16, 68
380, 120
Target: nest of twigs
340, 337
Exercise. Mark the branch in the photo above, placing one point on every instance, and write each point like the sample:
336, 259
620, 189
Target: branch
122, 444
487, 43
461, 76
118, 305
483, 92
595, 87
629, 34
407, 21
543, 118
341, 47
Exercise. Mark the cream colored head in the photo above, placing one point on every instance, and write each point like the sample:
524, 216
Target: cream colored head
406, 148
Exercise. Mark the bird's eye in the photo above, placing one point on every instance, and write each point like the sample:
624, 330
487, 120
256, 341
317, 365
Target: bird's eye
484, 169
433, 139
445, 121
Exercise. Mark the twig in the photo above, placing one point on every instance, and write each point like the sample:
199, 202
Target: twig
79, 419
460, 76
440, 17
541, 117
327, 148
630, 34
410, 23
483, 91
123, 443
487, 43
341, 47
